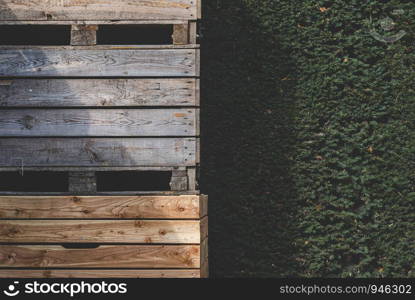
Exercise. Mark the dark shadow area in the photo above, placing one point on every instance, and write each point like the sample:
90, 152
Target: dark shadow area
35, 35
135, 35
81, 246
34, 181
247, 142
133, 181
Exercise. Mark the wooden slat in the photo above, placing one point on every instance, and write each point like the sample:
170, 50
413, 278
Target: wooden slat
99, 92
97, 9
100, 231
204, 259
46, 62
98, 122
50, 273
104, 207
101, 257
97, 152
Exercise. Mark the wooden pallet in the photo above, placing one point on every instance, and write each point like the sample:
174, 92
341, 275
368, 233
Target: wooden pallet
103, 236
85, 107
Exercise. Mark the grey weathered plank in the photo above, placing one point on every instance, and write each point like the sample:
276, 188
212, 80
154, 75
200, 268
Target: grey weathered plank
97, 10
98, 122
97, 152
50, 62
99, 92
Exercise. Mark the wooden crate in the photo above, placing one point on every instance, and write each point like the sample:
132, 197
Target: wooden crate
103, 236
84, 107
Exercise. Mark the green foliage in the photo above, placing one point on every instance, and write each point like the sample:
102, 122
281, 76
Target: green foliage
309, 138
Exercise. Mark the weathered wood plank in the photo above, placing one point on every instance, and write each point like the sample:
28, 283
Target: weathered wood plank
100, 231
99, 92
97, 9
97, 152
50, 273
98, 122
84, 35
180, 34
204, 259
102, 257
44, 62
104, 207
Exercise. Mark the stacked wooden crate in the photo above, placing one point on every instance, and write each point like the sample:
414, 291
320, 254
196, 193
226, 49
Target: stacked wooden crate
85, 108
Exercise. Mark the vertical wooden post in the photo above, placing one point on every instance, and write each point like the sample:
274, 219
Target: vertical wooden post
84, 35
180, 34
192, 179
192, 32
82, 182
204, 249
179, 181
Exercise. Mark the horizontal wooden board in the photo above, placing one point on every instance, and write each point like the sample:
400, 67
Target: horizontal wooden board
50, 62
100, 231
103, 207
98, 122
99, 92
50, 273
97, 152
102, 257
97, 10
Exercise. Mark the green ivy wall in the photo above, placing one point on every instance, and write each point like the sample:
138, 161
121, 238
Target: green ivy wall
308, 140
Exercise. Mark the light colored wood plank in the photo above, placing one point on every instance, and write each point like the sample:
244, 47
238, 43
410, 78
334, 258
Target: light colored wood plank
199, 8
98, 122
50, 273
99, 92
44, 62
104, 207
97, 9
97, 152
192, 32
102, 257
100, 231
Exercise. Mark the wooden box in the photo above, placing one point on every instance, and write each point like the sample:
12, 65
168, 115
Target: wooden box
103, 236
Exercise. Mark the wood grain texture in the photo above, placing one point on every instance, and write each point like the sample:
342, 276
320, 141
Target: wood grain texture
97, 152
100, 231
50, 273
98, 122
84, 35
204, 259
97, 9
102, 207
98, 92
49, 62
102, 257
